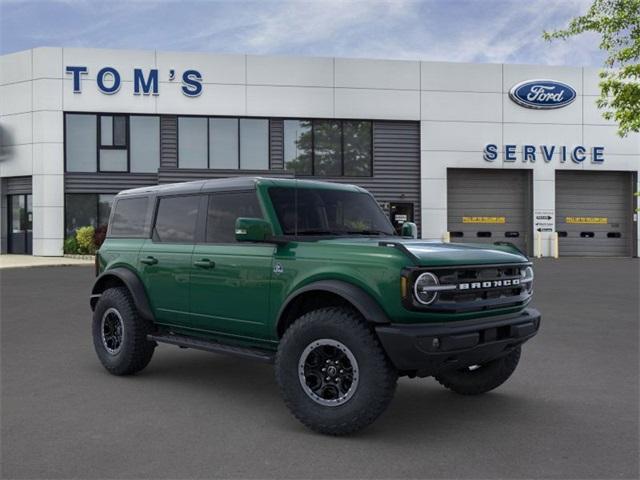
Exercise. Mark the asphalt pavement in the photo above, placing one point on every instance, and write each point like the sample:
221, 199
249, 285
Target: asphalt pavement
570, 410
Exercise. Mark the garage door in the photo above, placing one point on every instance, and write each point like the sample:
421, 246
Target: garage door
593, 213
489, 206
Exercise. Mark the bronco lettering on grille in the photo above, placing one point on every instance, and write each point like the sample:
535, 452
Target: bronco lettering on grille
511, 282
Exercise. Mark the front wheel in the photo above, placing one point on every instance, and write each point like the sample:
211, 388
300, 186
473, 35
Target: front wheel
479, 379
333, 373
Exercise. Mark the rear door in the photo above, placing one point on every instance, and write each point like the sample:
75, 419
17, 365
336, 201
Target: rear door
165, 259
230, 281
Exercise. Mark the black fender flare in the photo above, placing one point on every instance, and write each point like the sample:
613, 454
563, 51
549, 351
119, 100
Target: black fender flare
132, 282
356, 296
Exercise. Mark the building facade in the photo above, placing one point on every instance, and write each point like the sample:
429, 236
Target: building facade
470, 152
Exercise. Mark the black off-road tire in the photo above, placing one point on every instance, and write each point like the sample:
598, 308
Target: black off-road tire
377, 378
135, 351
483, 379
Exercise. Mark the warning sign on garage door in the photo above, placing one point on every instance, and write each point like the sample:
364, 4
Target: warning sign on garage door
587, 220
484, 220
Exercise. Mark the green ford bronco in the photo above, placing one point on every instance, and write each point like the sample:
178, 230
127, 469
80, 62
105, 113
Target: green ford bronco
312, 277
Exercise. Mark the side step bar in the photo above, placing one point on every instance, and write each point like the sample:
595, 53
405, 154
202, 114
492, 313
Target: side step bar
184, 341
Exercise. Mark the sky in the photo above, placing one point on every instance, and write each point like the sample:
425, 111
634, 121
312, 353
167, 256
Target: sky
486, 31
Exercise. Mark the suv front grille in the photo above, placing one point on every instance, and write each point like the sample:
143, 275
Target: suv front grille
478, 288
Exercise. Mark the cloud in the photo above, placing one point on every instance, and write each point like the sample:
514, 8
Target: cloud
444, 30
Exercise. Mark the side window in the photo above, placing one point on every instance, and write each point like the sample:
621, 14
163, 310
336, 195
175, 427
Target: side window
224, 209
176, 219
129, 217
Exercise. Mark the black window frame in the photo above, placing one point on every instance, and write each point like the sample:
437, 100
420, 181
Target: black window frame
198, 231
98, 116
342, 121
239, 156
126, 145
208, 196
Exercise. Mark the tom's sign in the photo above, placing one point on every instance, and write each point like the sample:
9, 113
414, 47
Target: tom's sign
542, 94
108, 80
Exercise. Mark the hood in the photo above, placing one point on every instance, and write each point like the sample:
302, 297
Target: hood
440, 253
435, 253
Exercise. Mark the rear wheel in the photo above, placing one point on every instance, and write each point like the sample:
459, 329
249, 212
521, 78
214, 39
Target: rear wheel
120, 334
479, 379
332, 372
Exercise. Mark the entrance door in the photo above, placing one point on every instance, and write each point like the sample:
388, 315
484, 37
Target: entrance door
400, 213
20, 221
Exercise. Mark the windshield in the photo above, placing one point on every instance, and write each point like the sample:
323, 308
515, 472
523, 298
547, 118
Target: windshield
328, 212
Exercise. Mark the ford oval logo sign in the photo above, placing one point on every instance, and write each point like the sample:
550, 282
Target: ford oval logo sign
542, 94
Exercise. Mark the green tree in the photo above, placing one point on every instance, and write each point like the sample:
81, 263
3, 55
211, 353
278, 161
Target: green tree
618, 23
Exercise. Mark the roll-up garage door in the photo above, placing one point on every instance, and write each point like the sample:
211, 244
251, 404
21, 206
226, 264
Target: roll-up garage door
486, 206
593, 213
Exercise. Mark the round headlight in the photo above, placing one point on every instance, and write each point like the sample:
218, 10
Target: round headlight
425, 288
527, 278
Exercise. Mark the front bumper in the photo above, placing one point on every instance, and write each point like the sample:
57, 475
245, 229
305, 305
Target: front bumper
427, 349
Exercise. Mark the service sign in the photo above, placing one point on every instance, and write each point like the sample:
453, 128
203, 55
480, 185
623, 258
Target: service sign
542, 94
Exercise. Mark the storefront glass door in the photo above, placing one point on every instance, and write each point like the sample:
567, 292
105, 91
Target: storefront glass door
20, 222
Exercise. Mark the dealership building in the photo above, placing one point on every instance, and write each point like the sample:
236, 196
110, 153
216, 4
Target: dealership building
470, 152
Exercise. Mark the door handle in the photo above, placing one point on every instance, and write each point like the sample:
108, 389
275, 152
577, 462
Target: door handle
149, 260
204, 263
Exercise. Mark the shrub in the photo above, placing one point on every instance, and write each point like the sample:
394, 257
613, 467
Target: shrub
99, 236
70, 245
84, 237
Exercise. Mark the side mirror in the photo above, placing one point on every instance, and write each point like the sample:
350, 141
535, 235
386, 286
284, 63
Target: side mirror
252, 230
409, 229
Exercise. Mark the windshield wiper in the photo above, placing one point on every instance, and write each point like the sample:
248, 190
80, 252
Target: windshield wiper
368, 232
320, 232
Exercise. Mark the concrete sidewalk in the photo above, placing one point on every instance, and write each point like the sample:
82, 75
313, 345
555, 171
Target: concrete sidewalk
25, 261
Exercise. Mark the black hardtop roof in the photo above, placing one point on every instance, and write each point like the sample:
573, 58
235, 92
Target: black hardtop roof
233, 183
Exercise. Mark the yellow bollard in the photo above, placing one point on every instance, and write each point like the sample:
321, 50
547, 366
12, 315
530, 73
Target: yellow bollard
446, 238
555, 247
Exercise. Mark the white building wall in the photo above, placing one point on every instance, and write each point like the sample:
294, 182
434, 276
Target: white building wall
461, 107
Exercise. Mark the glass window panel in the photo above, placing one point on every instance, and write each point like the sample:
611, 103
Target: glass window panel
176, 219
81, 210
104, 208
129, 217
17, 213
223, 142
297, 146
120, 131
224, 209
357, 149
106, 131
328, 150
80, 142
113, 160
254, 144
192, 142
29, 216
145, 143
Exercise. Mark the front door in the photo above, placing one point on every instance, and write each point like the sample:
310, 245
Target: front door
230, 281
400, 213
165, 259
20, 221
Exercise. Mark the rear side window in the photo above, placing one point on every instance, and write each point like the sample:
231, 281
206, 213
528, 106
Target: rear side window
176, 219
129, 217
224, 209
